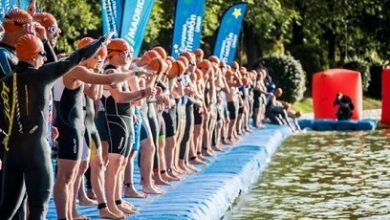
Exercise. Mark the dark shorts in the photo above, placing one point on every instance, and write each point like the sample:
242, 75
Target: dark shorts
170, 123
232, 110
143, 132
241, 110
197, 116
70, 143
101, 125
119, 132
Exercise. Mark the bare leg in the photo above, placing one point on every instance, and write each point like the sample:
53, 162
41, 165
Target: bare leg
112, 176
63, 188
130, 190
147, 153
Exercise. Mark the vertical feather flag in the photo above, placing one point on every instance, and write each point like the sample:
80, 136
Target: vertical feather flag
188, 26
229, 32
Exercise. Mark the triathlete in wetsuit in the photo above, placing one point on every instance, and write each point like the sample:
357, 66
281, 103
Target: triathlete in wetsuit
24, 108
13, 29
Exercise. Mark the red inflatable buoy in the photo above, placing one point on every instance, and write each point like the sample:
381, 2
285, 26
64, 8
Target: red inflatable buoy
386, 96
328, 83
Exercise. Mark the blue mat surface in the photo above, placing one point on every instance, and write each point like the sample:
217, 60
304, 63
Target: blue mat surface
334, 125
209, 193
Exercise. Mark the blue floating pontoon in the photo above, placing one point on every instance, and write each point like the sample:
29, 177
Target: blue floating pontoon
209, 193
342, 125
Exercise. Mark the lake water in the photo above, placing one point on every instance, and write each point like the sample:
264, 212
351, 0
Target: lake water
322, 175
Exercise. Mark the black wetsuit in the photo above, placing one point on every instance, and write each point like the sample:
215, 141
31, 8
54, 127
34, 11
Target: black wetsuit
345, 107
8, 61
70, 124
119, 122
24, 108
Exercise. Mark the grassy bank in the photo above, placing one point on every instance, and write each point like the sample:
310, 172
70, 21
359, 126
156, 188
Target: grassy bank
306, 105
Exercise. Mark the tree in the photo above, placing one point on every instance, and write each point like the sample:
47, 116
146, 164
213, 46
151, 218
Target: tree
75, 18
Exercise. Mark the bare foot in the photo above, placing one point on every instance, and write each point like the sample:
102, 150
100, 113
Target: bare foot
152, 190
160, 181
185, 168
127, 208
105, 213
91, 194
80, 217
168, 177
130, 192
175, 176
192, 168
87, 202
198, 161
117, 212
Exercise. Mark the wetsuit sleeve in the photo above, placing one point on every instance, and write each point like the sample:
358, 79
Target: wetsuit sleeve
50, 54
5, 67
52, 71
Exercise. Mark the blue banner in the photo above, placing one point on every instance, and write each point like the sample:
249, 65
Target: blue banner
229, 32
134, 22
112, 16
23, 4
188, 26
5, 6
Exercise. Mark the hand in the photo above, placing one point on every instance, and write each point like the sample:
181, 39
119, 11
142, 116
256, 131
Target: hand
54, 133
108, 37
189, 91
32, 8
149, 92
40, 31
29, 28
1, 164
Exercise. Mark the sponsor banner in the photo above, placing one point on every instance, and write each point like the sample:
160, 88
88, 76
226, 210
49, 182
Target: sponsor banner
5, 6
188, 26
112, 16
134, 22
229, 32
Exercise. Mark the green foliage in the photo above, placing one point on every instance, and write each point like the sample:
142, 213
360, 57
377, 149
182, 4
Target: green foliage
340, 29
287, 73
75, 18
361, 66
313, 60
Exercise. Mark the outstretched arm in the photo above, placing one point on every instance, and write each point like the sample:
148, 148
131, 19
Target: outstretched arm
52, 71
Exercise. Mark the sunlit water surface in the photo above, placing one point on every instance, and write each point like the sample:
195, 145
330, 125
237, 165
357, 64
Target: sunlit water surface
323, 175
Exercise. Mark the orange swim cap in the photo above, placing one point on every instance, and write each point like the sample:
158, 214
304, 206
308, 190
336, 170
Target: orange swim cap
88, 40
190, 56
204, 64
28, 46
15, 19
161, 51
45, 19
118, 45
184, 60
149, 56
177, 69
214, 59
199, 53
158, 65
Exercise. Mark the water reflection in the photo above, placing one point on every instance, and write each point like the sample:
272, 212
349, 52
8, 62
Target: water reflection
323, 175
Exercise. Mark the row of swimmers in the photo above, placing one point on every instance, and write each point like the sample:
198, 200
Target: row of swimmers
100, 108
